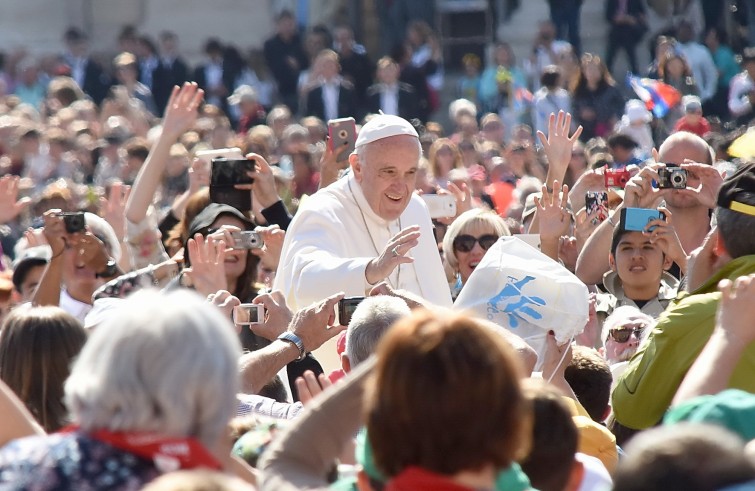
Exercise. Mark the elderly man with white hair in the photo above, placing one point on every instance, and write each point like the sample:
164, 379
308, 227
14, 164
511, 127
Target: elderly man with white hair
371, 320
368, 227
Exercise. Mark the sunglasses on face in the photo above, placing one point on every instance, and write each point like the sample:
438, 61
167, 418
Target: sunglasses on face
622, 335
465, 243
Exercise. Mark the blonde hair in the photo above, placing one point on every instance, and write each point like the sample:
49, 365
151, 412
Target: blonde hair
467, 221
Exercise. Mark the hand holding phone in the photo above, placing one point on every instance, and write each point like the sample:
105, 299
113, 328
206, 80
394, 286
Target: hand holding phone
342, 133
346, 308
225, 175
596, 206
440, 205
247, 314
636, 219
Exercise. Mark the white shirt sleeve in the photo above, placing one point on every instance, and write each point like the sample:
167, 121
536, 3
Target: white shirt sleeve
710, 75
739, 102
313, 265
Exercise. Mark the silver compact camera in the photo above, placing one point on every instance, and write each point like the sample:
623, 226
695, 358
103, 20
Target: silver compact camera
672, 178
247, 240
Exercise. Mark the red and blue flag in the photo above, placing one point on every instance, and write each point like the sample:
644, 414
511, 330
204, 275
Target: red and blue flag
658, 97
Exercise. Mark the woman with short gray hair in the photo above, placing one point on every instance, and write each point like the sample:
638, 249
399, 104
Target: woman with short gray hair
152, 391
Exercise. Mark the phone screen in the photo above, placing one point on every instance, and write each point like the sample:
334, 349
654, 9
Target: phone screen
346, 308
226, 173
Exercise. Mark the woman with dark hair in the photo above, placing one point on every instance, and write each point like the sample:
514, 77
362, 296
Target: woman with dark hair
596, 101
676, 72
220, 222
37, 347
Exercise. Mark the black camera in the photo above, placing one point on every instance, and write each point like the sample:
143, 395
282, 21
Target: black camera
74, 222
225, 174
672, 178
346, 308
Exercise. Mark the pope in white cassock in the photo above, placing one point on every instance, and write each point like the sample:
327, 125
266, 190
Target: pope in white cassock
367, 227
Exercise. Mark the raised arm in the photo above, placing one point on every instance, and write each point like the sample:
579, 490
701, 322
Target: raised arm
638, 193
557, 146
313, 326
180, 114
302, 456
48, 291
10, 205
17, 421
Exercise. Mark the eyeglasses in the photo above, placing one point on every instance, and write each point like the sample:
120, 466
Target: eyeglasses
622, 335
465, 243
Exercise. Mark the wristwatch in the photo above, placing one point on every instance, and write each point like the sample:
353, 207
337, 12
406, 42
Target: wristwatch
111, 268
296, 341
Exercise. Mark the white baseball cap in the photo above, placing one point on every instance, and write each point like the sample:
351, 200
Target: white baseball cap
384, 126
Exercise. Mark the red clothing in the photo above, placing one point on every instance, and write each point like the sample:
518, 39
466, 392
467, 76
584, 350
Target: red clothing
418, 479
308, 187
701, 128
502, 194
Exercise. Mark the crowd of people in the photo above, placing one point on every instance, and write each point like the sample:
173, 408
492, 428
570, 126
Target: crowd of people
552, 294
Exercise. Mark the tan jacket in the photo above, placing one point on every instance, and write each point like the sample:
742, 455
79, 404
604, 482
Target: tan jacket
608, 302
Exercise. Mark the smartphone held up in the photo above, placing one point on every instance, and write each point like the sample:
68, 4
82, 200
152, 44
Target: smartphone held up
248, 314
342, 133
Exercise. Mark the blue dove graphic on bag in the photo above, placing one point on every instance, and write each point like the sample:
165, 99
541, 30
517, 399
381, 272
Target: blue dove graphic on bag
512, 302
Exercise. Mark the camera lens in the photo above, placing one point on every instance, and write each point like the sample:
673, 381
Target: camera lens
677, 178
343, 134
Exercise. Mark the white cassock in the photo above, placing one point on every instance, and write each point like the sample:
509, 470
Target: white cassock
333, 237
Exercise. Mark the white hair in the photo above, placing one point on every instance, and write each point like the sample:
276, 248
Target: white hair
620, 315
460, 106
369, 323
104, 231
161, 362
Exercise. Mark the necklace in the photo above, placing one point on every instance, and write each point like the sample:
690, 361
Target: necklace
372, 239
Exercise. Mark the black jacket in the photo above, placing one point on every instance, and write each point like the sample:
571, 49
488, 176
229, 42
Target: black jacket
407, 100
277, 52
96, 82
347, 103
165, 77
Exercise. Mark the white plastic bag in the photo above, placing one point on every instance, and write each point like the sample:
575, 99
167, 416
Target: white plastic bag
523, 290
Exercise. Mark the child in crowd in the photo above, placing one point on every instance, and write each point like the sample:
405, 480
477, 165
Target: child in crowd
635, 123
693, 119
638, 274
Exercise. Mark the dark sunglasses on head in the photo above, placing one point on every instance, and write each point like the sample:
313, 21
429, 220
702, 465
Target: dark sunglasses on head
622, 335
465, 243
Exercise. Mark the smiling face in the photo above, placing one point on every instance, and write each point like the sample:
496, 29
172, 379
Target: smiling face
81, 281
468, 261
386, 170
617, 352
235, 260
